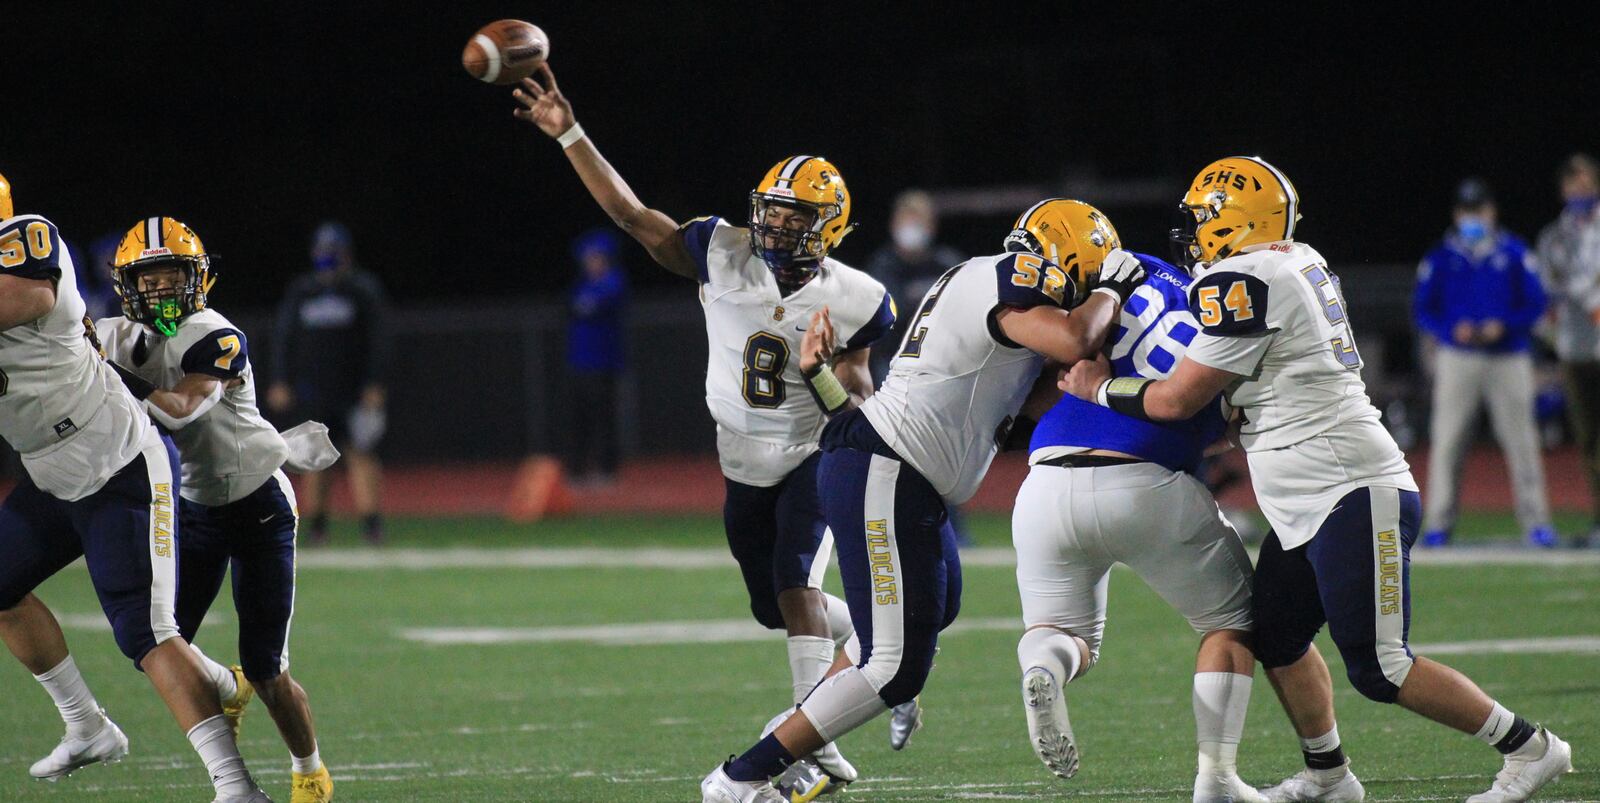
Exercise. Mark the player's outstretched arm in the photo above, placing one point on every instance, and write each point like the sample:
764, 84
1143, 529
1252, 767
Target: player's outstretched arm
186, 401
24, 300
1063, 336
548, 109
1191, 387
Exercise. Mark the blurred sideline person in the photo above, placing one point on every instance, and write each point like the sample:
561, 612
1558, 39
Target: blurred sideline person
1478, 296
1569, 258
191, 367
1276, 338
1103, 489
596, 357
910, 262
330, 358
758, 285
908, 265
890, 464
99, 485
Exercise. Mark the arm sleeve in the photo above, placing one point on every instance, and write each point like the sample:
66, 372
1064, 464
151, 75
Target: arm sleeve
697, 237
1024, 281
874, 330
1232, 309
222, 353
1425, 305
375, 306
31, 249
1531, 299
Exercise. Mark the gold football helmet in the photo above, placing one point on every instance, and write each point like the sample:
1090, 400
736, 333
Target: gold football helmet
1072, 234
161, 243
810, 184
1233, 203
6, 209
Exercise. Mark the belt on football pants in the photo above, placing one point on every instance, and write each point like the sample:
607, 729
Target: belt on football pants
1089, 461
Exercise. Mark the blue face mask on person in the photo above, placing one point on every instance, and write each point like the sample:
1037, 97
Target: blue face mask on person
1472, 229
1581, 207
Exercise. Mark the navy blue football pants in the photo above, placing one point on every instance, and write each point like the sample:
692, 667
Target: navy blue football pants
1355, 575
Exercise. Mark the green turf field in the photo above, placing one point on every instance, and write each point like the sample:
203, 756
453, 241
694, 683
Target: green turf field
558, 719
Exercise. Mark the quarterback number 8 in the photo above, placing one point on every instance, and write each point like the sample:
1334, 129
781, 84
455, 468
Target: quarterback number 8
1029, 269
765, 356
1236, 300
15, 247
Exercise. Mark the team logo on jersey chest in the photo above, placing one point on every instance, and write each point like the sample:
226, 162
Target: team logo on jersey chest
777, 313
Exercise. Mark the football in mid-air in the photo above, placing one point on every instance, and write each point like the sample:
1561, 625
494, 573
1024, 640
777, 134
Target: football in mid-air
505, 52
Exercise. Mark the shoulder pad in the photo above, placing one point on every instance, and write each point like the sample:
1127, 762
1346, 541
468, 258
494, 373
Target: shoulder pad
220, 352
1229, 303
697, 238
31, 248
1029, 280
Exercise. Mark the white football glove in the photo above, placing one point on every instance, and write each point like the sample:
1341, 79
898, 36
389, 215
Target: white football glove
1120, 273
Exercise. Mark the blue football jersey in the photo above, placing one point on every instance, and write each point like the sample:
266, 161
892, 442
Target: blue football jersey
1154, 330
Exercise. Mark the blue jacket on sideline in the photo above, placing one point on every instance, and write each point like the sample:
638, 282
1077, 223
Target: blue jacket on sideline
1494, 281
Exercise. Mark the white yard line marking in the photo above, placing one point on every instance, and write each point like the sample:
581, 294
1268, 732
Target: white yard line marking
1581, 645
712, 631
717, 557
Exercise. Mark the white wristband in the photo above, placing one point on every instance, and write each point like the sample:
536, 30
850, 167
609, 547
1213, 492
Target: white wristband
1100, 394
1108, 291
573, 134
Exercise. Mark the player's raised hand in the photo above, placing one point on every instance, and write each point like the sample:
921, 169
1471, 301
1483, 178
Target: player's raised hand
817, 347
1084, 379
544, 105
1120, 273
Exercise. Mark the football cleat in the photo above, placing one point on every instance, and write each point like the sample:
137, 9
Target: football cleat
1543, 537
311, 787
904, 720
257, 796
233, 707
719, 788
1228, 788
1523, 775
1049, 730
107, 746
1319, 785
804, 782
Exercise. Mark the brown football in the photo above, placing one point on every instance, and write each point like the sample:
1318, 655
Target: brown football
505, 52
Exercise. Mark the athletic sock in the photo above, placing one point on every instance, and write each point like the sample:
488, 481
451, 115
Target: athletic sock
809, 659
1221, 700
213, 740
760, 763
220, 676
307, 765
1504, 730
839, 625
1051, 649
77, 705
1323, 752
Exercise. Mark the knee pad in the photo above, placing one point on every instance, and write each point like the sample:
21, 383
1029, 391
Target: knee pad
1368, 676
767, 613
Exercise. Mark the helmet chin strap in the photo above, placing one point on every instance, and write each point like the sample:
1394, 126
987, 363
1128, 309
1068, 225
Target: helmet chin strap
1229, 247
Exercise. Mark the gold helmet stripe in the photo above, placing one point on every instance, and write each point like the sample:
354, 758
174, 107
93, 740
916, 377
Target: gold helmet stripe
786, 175
1293, 212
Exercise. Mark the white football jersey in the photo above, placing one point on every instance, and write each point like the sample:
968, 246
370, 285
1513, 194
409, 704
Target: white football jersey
230, 450
957, 382
1276, 316
61, 406
767, 421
